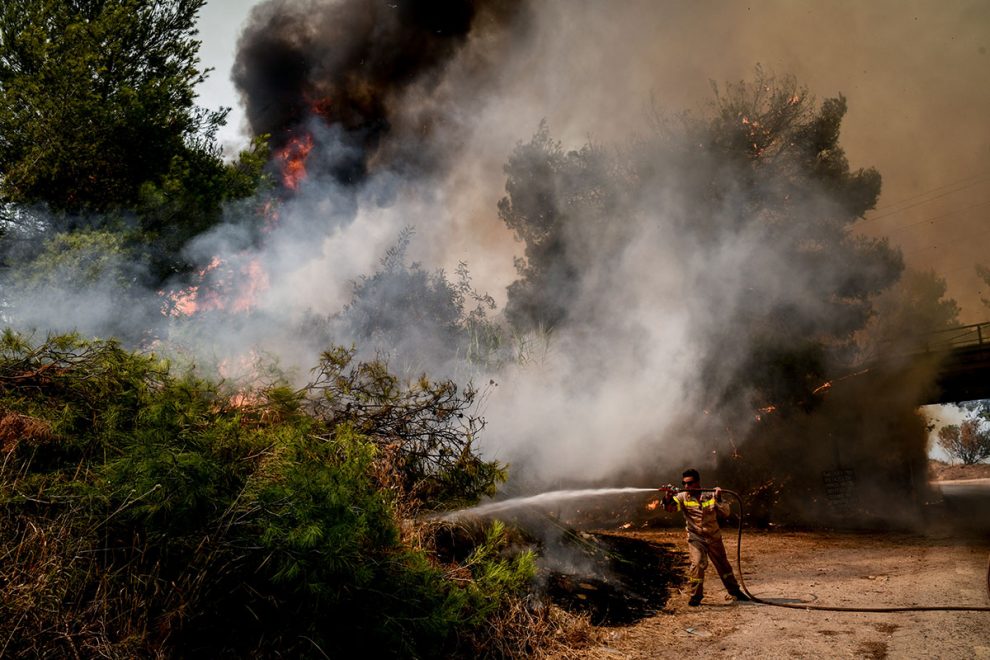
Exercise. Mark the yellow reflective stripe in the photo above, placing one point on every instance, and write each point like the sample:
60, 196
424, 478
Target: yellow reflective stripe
707, 504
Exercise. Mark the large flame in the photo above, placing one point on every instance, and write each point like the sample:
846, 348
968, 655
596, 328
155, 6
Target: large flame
218, 286
252, 279
188, 301
294, 154
293, 158
254, 283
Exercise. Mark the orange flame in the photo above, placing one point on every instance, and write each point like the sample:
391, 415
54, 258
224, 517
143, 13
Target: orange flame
186, 302
652, 505
242, 372
766, 410
256, 282
823, 387
224, 291
293, 157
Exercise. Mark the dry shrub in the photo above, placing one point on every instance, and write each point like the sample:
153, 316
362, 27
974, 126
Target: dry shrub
16, 428
528, 629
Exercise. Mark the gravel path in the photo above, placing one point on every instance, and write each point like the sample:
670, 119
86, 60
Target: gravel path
845, 569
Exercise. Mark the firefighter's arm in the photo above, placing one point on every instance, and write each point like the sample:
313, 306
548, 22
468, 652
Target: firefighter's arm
722, 505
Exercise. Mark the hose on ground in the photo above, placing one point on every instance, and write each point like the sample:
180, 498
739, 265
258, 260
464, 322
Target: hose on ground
832, 608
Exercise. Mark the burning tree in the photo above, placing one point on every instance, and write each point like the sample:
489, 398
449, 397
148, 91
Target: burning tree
752, 205
764, 166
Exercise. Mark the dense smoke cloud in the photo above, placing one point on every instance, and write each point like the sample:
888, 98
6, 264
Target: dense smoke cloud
366, 68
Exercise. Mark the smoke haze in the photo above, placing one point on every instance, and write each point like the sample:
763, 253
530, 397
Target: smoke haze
914, 72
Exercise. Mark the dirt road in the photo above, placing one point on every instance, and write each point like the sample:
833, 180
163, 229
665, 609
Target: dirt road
844, 569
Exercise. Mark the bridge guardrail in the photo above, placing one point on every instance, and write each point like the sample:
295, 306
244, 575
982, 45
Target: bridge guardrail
976, 334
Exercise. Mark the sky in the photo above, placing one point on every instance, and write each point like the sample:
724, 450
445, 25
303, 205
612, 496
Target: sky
915, 74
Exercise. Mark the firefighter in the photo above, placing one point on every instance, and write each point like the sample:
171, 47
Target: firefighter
703, 535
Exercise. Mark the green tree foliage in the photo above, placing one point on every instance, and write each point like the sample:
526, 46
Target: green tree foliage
143, 513
75, 272
425, 431
98, 98
97, 115
82, 259
191, 197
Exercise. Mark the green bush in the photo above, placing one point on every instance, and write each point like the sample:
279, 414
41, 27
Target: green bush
143, 513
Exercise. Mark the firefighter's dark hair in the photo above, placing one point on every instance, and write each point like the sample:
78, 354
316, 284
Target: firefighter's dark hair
691, 472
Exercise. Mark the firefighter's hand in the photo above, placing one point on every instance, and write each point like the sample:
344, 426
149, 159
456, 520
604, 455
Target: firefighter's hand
668, 491
718, 494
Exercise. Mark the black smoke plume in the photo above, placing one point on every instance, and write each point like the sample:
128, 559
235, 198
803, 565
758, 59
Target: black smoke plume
354, 66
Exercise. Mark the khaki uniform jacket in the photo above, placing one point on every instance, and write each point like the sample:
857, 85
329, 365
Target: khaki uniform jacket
701, 521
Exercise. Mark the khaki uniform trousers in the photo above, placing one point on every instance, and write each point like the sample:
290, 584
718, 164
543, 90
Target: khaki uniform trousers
700, 551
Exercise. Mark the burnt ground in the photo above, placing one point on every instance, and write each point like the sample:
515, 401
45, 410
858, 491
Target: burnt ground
945, 565
620, 579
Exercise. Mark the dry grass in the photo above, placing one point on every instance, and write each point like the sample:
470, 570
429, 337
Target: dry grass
66, 605
529, 630
16, 428
942, 471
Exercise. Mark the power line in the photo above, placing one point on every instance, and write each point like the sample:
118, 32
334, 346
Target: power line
970, 181
934, 246
933, 218
895, 211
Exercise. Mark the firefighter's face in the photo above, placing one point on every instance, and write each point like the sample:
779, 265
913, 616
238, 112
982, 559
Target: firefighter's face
690, 483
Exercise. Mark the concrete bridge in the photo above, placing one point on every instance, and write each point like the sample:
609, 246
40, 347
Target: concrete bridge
962, 359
